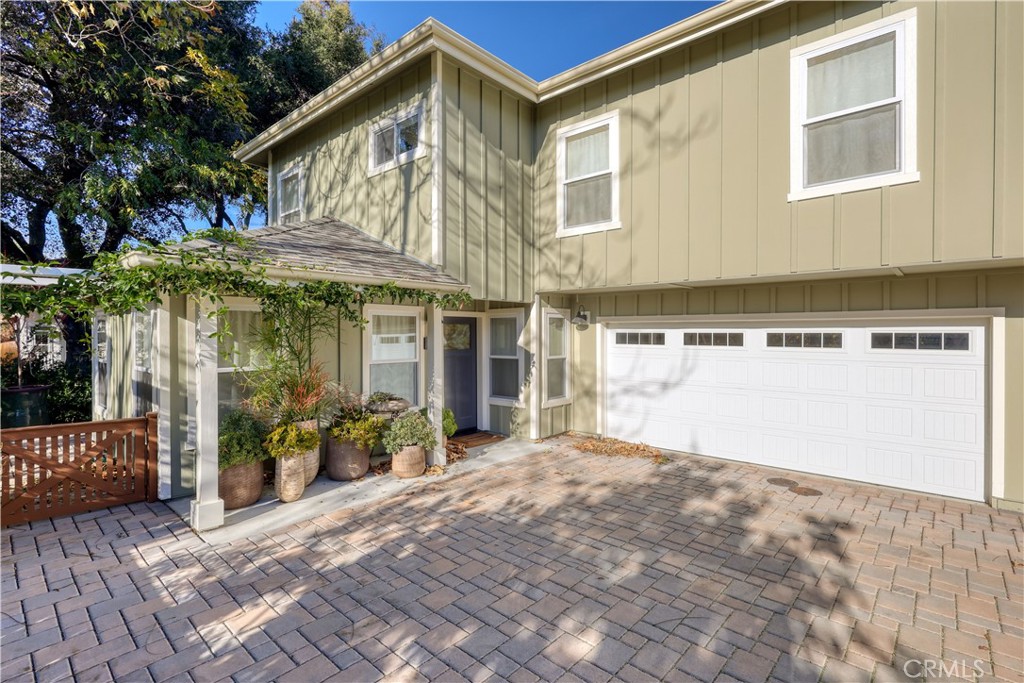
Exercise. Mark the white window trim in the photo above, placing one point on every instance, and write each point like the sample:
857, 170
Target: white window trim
905, 26
100, 403
371, 310
242, 307
567, 399
292, 169
611, 119
392, 122
518, 315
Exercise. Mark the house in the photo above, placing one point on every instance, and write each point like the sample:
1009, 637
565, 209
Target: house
788, 233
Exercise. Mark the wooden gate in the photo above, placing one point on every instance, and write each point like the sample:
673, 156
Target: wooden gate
55, 470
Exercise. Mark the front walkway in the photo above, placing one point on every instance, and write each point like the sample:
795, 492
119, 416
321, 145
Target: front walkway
556, 566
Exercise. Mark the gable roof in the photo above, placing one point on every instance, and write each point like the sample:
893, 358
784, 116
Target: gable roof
330, 249
433, 36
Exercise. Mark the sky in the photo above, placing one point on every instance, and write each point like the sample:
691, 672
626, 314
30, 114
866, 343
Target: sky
538, 37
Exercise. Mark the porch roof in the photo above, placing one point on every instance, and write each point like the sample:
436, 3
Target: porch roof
330, 249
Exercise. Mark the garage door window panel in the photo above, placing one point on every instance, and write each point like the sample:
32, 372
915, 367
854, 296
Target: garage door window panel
804, 340
933, 340
719, 339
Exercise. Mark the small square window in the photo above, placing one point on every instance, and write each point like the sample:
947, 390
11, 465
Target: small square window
633, 338
690, 338
906, 340
645, 338
720, 339
794, 339
832, 340
735, 339
881, 340
956, 341
396, 140
930, 341
620, 338
774, 339
704, 339
658, 339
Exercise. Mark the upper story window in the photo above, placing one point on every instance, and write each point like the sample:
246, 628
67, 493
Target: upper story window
289, 194
395, 140
588, 176
854, 109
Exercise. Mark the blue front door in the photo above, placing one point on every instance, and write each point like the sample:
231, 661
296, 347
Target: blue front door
460, 385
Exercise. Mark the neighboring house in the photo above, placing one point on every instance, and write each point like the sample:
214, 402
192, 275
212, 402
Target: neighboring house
36, 339
794, 230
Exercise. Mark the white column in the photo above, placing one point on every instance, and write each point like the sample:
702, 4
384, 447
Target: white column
435, 381
207, 510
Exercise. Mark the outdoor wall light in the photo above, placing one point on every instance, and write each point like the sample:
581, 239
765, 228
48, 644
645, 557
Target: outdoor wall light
582, 317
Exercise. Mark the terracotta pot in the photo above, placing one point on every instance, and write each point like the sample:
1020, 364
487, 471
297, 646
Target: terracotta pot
409, 462
241, 485
311, 459
346, 461
290, 478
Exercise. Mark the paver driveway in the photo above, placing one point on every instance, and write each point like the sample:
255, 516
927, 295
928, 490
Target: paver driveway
558, 566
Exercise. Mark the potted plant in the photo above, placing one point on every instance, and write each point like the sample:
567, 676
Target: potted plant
386, 403
406, 440
353, 436
289, 394
240, 456
448, 424
290, 444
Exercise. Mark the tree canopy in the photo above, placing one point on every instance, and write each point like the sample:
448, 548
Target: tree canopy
119, 118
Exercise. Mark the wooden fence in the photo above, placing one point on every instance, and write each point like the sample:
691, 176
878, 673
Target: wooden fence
55, 470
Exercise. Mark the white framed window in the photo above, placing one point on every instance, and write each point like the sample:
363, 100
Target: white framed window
588, 176
853, 109
557, 359
396, 140
505, 356
235, 356
290, 192
100, 362
391, 352
142, 326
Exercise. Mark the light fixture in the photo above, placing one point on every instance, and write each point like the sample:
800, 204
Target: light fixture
582, 317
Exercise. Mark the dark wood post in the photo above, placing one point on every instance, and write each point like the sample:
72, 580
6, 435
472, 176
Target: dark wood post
152, 450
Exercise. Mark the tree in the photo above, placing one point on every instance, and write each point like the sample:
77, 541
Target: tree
104, 119
118, 118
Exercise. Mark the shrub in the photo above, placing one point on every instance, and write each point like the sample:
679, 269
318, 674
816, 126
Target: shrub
69, 398
411, 429
448, 425
290, 440
289, 394
241, 440
365, 430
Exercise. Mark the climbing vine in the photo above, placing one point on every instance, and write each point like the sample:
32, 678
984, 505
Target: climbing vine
225, 263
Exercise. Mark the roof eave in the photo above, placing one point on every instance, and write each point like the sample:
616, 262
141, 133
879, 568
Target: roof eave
282, 273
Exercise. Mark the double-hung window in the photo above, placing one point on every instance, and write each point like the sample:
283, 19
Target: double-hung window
557, 385
289, 194
504, 357
395, 140
394, 353
854, 109
588, 176
236, 358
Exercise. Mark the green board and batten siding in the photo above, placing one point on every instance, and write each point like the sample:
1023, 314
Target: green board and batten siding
704, 135
487, 186
395, 205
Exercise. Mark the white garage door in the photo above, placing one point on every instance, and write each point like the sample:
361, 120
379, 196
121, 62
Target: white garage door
898, 406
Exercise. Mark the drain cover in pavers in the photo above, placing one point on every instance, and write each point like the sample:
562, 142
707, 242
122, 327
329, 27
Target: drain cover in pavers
781, 481
804, 491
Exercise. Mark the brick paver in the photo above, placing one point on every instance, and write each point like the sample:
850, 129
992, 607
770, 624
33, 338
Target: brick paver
557, 566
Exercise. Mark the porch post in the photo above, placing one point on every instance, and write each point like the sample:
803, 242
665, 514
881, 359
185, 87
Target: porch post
207, 511
435, 381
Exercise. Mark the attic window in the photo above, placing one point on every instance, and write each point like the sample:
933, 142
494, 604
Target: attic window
394, 141
289, 195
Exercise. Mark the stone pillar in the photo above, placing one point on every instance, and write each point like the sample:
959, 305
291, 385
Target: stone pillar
207, 511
